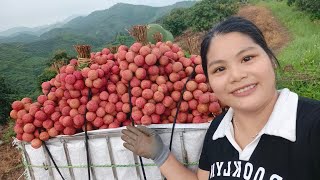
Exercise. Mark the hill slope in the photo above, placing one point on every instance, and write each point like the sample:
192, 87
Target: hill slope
22, 62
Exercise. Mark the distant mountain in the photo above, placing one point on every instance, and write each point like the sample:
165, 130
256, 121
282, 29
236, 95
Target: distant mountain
37, 31
15, 30
103, 24
96, 29
21, 37
106, 23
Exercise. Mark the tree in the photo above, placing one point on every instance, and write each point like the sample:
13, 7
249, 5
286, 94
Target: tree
200, 17
310, 6
177, 21
6, 97
206, 13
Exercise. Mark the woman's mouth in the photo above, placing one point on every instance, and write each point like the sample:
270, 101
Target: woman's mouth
245, 91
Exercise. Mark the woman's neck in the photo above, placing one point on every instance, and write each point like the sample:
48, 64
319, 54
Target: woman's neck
253, 121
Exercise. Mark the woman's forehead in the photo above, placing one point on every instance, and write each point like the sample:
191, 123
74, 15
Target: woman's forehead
228, 45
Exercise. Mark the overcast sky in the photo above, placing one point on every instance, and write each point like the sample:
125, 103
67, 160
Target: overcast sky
31, 13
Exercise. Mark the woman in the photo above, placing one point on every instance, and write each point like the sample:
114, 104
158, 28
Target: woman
265, 134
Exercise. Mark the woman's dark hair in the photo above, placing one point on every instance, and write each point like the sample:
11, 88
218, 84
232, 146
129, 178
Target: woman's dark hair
235, 24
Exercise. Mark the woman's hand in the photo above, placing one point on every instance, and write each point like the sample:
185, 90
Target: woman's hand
145, 142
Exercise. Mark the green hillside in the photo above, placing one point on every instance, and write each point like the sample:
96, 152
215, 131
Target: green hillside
303, 51
21, 37
21, 62
105, 24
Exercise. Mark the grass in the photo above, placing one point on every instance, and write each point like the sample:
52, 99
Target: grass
302, 53
8, 133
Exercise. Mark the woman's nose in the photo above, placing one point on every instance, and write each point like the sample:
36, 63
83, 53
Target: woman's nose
237, 73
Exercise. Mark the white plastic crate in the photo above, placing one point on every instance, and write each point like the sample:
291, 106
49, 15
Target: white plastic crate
108, 158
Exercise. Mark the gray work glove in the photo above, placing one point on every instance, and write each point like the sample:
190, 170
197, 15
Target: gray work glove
145, 142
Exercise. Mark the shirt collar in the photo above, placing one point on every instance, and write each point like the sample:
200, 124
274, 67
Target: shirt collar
282, 121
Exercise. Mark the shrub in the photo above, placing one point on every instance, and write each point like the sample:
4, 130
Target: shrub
5, 100
310, 6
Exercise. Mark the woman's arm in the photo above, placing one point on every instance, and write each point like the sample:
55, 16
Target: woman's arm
172, 169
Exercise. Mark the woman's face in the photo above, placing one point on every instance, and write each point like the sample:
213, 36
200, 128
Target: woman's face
240, 72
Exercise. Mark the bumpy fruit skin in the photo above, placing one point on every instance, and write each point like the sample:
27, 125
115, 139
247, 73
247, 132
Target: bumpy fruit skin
53, 132
204, 98
167, 101
44, 136
27, 137
92, 106
187, 96
40, 115
144, 51
146, 120
177, 67
191, 86
114, 125
69, 131
158, 96
214, 107
139, 60
127, 75
141, 73
149, 108
36, 143
147, 94
17, 105
151, 59
202, 108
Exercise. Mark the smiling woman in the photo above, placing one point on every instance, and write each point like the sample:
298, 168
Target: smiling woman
265, 134
237, 74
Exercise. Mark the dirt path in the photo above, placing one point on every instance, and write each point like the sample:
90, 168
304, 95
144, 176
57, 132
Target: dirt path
275, 34
10, 161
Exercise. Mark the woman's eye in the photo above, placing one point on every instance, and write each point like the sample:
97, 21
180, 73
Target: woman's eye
247, 58
219, 69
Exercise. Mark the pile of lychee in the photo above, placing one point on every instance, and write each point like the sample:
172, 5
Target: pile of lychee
99, 94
